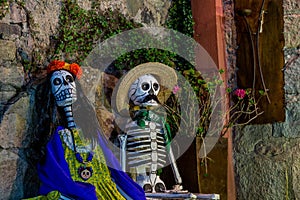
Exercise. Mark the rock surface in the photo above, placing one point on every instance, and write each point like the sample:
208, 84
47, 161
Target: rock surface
291, 23
7, 50
12, 175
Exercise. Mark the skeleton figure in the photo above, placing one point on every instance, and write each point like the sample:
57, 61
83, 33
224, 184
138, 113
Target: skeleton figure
146, 136
74, 162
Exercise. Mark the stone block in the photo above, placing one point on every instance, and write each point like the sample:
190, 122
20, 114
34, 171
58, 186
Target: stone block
290, 5
84, 4
6, 95
11, 173
291, 127
6, 91
291, 23
17, 14
295, 173
13, 125
45, 17
11, 131
260, 178
134, 6
292, 71
7, 50
246, 138
12, 75
6, 30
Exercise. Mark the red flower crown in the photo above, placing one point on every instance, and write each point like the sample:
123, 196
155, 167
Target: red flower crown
58, 65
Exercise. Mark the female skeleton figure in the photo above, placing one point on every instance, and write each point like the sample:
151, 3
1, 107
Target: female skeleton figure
147, 135
76, 159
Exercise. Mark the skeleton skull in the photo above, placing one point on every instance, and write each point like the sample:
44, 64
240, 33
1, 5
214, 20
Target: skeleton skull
63, 87
144, 91
85, 174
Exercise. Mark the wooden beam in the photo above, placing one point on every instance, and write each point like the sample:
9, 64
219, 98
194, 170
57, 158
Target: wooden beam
209, 33
208, 18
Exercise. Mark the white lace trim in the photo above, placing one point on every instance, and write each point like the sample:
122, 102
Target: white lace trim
67, 138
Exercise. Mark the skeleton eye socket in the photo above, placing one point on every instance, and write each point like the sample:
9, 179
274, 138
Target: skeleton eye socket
145, 86
155, 86
69, 79
57, 81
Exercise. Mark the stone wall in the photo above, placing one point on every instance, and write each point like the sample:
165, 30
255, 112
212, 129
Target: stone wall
267, 156
15, 104
27, 29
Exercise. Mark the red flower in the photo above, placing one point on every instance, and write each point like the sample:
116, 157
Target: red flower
76, 70
55, 65
58, 65
240, 93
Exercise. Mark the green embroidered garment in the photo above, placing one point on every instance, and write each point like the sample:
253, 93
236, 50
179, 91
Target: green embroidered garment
101, 179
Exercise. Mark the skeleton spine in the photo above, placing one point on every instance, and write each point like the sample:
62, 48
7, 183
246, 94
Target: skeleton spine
69, 116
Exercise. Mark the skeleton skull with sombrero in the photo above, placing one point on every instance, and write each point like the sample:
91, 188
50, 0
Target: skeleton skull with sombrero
146, 138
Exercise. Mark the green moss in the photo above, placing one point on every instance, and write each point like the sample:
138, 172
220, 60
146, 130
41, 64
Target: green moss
81, 29
180, 17
4, 5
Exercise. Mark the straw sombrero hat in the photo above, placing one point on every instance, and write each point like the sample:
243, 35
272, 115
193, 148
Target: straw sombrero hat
165, 75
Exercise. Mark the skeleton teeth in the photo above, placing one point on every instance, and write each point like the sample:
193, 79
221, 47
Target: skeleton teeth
63, 95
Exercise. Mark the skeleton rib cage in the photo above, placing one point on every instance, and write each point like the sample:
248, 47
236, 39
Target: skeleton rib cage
146, 146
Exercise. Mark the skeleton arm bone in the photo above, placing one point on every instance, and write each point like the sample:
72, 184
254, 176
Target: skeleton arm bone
123, 141
167, 131
178, 179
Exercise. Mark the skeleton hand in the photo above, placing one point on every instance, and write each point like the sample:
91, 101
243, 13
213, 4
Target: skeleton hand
177, 187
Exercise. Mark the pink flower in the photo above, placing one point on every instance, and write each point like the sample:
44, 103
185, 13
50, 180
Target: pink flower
175, 89
240, 93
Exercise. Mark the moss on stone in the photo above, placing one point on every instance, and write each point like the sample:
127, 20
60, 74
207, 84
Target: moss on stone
81, 29
4, 4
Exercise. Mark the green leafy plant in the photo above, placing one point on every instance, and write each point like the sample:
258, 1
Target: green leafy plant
242, 110
4, 5
81, 29
180, 17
